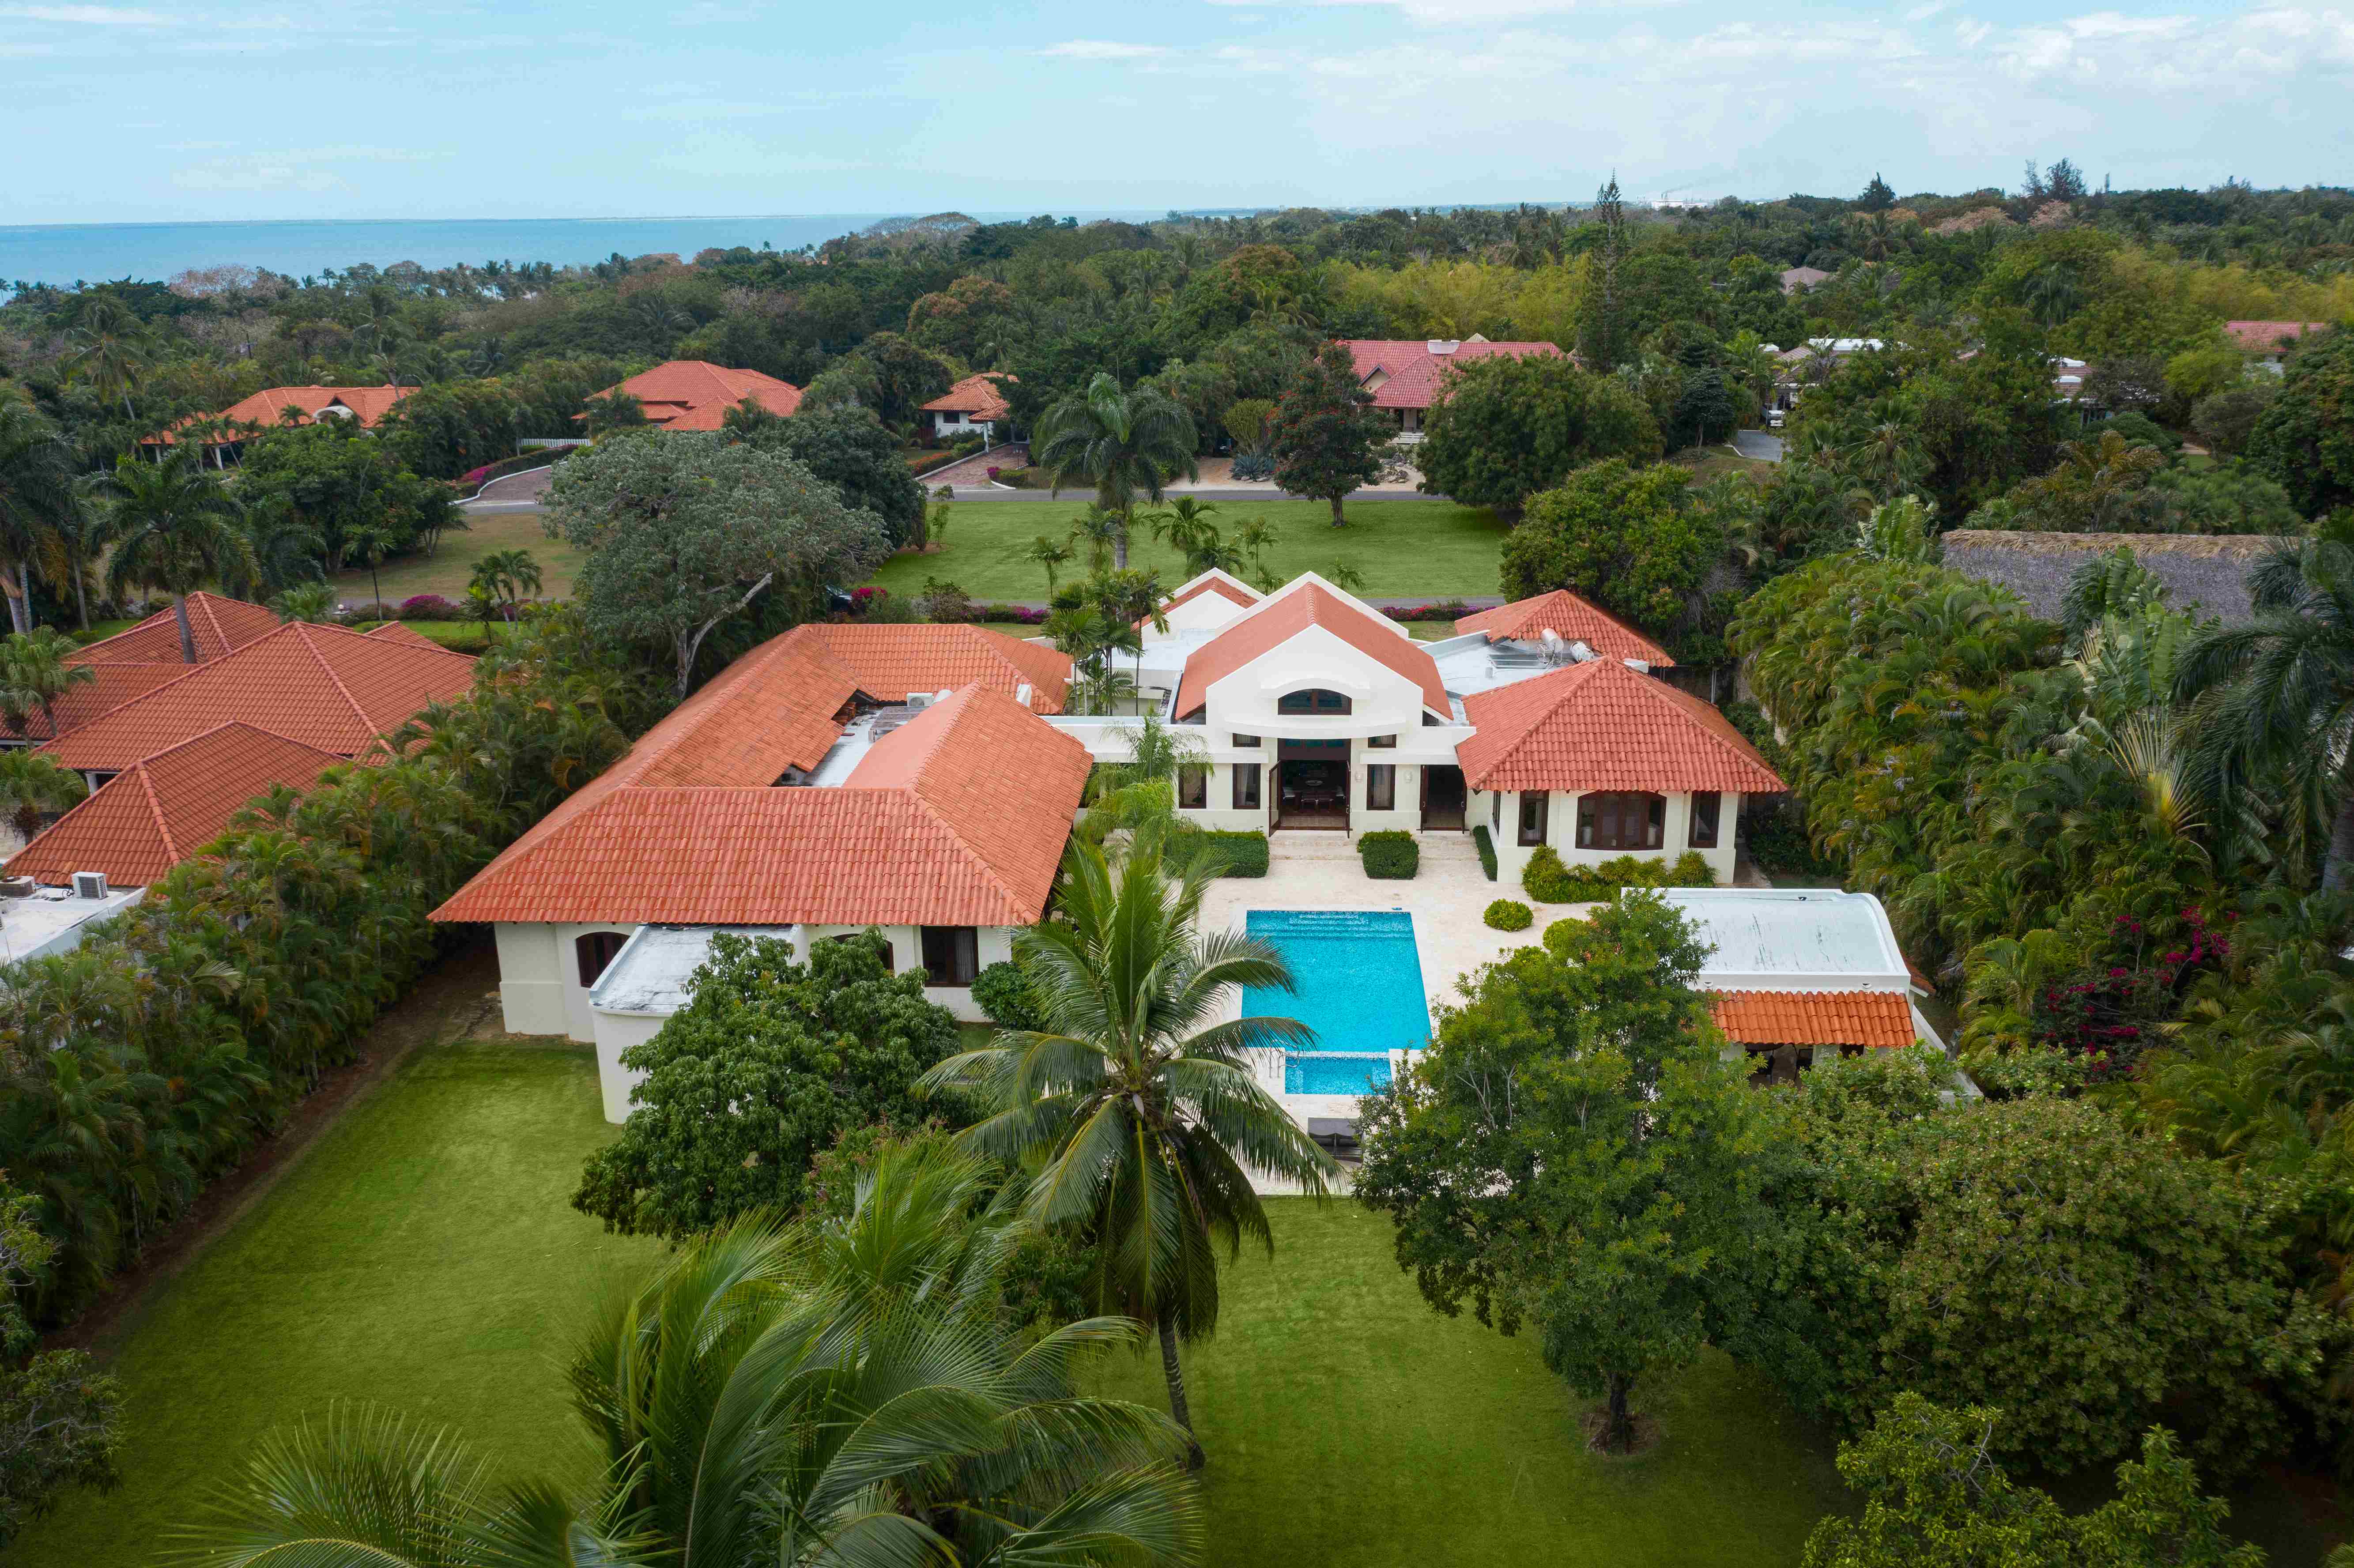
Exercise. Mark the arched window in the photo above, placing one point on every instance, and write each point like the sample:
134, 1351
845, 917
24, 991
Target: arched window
1315, 700
595, 950
1621, 819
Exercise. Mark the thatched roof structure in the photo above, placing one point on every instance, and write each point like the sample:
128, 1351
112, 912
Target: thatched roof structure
2204, 573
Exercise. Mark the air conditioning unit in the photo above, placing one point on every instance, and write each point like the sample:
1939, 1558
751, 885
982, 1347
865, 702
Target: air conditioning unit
90, 884
919, 699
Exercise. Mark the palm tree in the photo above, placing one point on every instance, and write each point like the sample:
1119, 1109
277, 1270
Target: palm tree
36, 670
372, 542
2273, 698
1143, 1112
508, 575
32, 786
37, 503
1050, 553
1123, 443
175, 530
1098, 531
312, 602
111, 348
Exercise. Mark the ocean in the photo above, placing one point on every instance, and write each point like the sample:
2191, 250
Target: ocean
65, 254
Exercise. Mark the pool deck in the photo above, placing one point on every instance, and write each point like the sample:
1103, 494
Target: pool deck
1448, 899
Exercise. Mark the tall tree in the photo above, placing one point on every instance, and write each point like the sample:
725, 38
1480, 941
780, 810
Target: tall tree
1602, 338
1504, 429
1139, 1103
111, 348
175, 530
2305, 439
32, 786
1124, 443
39, 506
1327, 436
1574, 1152
36, 670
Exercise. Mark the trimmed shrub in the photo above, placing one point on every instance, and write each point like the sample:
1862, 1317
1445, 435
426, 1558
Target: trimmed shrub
1391, 856
1002, 991
1548, 881
1510, 914
429, 606
1012, 612
1243, 854
1486, 845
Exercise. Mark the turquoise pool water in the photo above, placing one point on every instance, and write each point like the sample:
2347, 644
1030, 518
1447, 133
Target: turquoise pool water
1360, 990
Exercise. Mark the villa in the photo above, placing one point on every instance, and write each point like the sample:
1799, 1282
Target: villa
1407, 375
695, 395
972, 406
273, 406
923, 780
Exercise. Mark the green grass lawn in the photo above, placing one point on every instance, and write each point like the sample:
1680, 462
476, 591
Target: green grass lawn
423, 1255
446, 571
462, 636
1419, 549
1348, 1423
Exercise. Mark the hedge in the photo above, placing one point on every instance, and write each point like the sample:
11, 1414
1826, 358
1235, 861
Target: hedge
1245, 854
924, 462
1391, 856
1487, 848
1510, 914
1548, 881
1003, 992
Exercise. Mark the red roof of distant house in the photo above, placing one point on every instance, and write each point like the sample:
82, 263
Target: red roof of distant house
158, 812
218, 625
1414, 368
322, 685
1601, 726
1277, 619
1208, 584
267, 408
1876, 1019
976, 398
925, 831
1569, 618
695, 395
2265, 337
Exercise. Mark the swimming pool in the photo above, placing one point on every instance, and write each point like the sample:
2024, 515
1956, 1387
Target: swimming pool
1360, 989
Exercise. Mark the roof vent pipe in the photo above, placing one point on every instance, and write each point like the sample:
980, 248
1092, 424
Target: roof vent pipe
1022, 694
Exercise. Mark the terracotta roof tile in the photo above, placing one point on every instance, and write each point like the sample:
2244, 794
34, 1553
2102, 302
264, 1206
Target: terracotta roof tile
322, 685
1573, 620
218, 626
958, 817
1277, 619
367, 405
2264, 337
115, 685
1867, 1018
1415, 374
155, 814
976, 398
892, 661
406, 636
1216, 585
1601, 726
695, 395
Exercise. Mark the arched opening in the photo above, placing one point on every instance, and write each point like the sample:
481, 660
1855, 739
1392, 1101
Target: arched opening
594, 950
1316, 702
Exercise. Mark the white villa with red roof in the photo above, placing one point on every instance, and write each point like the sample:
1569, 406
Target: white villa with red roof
1407, 376
972, 406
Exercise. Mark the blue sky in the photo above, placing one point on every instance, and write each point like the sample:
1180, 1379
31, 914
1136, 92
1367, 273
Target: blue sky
180, 110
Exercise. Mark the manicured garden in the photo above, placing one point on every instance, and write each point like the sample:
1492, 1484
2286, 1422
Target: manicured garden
1418, 549
447, 570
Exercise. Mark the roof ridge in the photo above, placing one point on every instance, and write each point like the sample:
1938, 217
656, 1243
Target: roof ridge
154, 810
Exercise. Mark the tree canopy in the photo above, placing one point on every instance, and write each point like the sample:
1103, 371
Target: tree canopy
1507, 428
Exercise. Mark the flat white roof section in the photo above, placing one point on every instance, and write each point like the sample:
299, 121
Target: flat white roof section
54, 921
649, 976
1793, 938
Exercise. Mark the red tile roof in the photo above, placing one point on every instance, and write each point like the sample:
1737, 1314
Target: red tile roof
1867, 1018
157, 813
406, 636
1415, 373
1600, 725
695, 395
115, 685
322, 685
2264, 337
1277, 619
894, 661
1573, 620
976, 398
958, 817
1219, 586
367, 405
218, 625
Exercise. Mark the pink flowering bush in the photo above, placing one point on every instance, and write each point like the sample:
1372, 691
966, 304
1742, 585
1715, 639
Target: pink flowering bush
2108, 1013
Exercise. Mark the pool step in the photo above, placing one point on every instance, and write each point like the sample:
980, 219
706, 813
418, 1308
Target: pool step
1309, 844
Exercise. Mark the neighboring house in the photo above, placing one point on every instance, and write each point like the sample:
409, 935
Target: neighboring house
2205, 574
1560, 621
695, 395
321, 686
2267, 342
974, 406
1792, 972
1798, 368
167, 806
136, 661
1407, 375
1796, 278
267, 410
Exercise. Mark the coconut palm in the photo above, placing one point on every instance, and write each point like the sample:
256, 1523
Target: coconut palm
175, 530
111, 348
1051, 554
312, 602
1140, 1105
1098, 533
2275, 695
1124, 443
36, 670
38, 502
372, 542
32, 786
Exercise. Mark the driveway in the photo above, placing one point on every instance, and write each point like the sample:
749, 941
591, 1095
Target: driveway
1759, 446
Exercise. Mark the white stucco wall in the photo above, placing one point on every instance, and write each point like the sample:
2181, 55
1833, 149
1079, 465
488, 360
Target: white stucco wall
539, 978
1561, 832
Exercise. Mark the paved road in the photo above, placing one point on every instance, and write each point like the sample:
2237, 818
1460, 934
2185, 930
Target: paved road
1762, 446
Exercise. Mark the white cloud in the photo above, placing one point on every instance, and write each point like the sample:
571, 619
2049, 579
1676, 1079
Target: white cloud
89, 16
1102, 50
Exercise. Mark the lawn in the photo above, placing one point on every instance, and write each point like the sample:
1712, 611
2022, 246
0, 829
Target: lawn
1348, 1423
423, 1255
446, 571
1709, 462
1406, 549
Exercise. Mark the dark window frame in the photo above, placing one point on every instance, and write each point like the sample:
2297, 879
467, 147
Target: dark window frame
605, 947
1380, 742
1621, 819
1695, 838
1247, 742
1252, 773
1193, 788
1381, 787
1311, 702
1535, 817
951, 954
